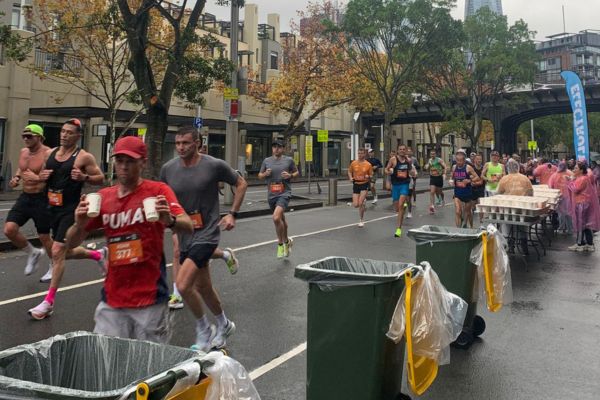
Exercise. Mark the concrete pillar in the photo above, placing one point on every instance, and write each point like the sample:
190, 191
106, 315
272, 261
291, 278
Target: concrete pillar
273, 20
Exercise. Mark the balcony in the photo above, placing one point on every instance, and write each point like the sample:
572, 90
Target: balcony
57, 63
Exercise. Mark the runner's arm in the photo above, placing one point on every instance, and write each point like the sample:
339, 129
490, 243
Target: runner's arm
77, 233
389, 169
484, 173
228, 221
89, 171
350, 177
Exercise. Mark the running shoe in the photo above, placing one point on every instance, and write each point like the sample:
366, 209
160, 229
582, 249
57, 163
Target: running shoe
576, 247
175, 302
287, 247
232, 262
41, 311
220, 339
398, 232
204, 339
48, 276
431, 209
33, 260
590, 248
280, 251
102, 262
361, 224
374, 200
409, 215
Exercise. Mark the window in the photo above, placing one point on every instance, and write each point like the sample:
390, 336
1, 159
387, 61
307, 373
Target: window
16, 15
274, 60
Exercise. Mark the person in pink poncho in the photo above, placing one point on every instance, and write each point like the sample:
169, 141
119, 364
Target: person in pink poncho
544, 171
559, 180
584, 208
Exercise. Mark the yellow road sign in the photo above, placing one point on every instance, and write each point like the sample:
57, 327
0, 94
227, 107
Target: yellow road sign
322, 135
532, 145
231, 94
308, 147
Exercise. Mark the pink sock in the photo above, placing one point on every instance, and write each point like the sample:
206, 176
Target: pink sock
51, 295
95, 255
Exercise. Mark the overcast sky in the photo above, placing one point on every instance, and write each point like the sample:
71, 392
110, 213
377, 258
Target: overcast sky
543, 16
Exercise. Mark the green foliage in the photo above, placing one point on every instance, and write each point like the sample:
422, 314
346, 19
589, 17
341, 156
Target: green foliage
557, 129
198, 75
15, 47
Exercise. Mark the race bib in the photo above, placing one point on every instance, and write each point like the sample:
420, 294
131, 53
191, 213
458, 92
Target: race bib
276, 188
435, 172
461, 184
360, 178
125, 250
55, 198
197, 221
402, 174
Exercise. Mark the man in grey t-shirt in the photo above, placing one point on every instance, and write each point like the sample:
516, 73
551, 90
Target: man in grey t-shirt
195, 180
278, 170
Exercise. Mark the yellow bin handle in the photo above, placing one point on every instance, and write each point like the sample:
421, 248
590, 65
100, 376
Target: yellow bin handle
493, 304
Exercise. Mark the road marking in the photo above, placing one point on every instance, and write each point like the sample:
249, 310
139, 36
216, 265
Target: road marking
251, 246
271, 365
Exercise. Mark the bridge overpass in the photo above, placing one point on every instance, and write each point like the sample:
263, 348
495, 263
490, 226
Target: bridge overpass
506, 116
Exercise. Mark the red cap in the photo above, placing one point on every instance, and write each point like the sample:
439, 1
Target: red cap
131, 146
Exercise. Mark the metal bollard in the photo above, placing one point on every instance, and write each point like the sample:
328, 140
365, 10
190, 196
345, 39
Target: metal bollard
332, 200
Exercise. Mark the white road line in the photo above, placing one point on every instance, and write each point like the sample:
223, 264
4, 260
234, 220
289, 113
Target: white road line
251, 246
271, 365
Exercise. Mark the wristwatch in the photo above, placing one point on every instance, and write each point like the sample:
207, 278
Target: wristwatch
234, 214
172, 223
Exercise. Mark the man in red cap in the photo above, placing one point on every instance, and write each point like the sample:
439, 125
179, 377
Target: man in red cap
135, 293
68, 167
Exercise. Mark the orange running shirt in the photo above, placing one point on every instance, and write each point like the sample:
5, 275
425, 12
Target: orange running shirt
361, 171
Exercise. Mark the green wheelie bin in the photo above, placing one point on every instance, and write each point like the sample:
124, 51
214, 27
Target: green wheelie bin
350, 306
448, 250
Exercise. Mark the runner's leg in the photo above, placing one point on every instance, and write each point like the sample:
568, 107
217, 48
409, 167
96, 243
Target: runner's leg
469, 213
362, 199
280, 224
401, 208
457, 212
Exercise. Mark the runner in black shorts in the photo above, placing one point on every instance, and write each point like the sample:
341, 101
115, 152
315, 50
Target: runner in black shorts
360, 173
462, 177
437, 174
32, 203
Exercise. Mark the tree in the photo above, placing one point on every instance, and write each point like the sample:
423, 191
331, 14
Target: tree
314, 75
392, 43
187, 73
493, 58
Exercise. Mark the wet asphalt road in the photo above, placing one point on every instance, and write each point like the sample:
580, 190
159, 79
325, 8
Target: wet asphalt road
546, 345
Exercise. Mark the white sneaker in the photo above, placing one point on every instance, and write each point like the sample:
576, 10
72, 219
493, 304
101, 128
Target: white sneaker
204, 339
41, 311
48, 276
287, 247
374, 200
232, 263
576, 247
220, 339
33, 260
409, 215
102, 262
361, 224
590, 247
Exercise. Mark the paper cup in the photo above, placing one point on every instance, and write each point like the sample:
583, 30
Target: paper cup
150, 209
94, 201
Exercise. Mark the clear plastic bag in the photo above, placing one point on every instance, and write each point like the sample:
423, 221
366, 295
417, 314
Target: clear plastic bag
230, 380
437, 316
499, 275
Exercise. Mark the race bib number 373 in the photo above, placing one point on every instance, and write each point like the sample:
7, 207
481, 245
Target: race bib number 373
124, 250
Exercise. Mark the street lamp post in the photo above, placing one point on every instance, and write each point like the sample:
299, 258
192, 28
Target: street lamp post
231, 127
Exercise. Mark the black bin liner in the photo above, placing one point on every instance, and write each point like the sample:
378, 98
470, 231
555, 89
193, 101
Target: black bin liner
83, 365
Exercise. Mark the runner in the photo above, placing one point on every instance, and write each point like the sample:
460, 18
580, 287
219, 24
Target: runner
32, 203
412, 197
376, 163
462, 177
388, 179
400, 169
135, 292
195, 180
478, 184
67, 169
437, 174
360, 173
278, 170
493, 171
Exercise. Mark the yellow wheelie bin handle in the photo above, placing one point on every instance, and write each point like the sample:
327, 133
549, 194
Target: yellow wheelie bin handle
421, 371
493, 304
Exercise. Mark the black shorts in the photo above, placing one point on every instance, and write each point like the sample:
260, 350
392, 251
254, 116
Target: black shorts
464, 199
280, 201
437, 181
31, 206
62, 219
360, 187
478, 194
199, 253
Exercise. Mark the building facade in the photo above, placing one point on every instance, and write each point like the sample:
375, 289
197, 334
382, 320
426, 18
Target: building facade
578, 52
471, 6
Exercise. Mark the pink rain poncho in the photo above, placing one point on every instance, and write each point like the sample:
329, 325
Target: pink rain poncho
559, 180
583, 204
544, 172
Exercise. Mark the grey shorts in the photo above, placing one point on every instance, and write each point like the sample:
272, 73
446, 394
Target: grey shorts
145, 323
280, 201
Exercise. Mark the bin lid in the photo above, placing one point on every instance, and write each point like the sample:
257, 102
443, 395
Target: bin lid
434, 233
336, 272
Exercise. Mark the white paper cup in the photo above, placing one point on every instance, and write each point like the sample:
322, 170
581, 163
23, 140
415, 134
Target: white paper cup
94, 201
150, 209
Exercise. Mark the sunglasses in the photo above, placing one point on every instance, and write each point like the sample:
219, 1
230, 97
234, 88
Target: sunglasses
27, 136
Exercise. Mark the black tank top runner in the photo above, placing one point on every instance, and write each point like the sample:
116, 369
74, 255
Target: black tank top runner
60, 179
478, 171
401, 172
